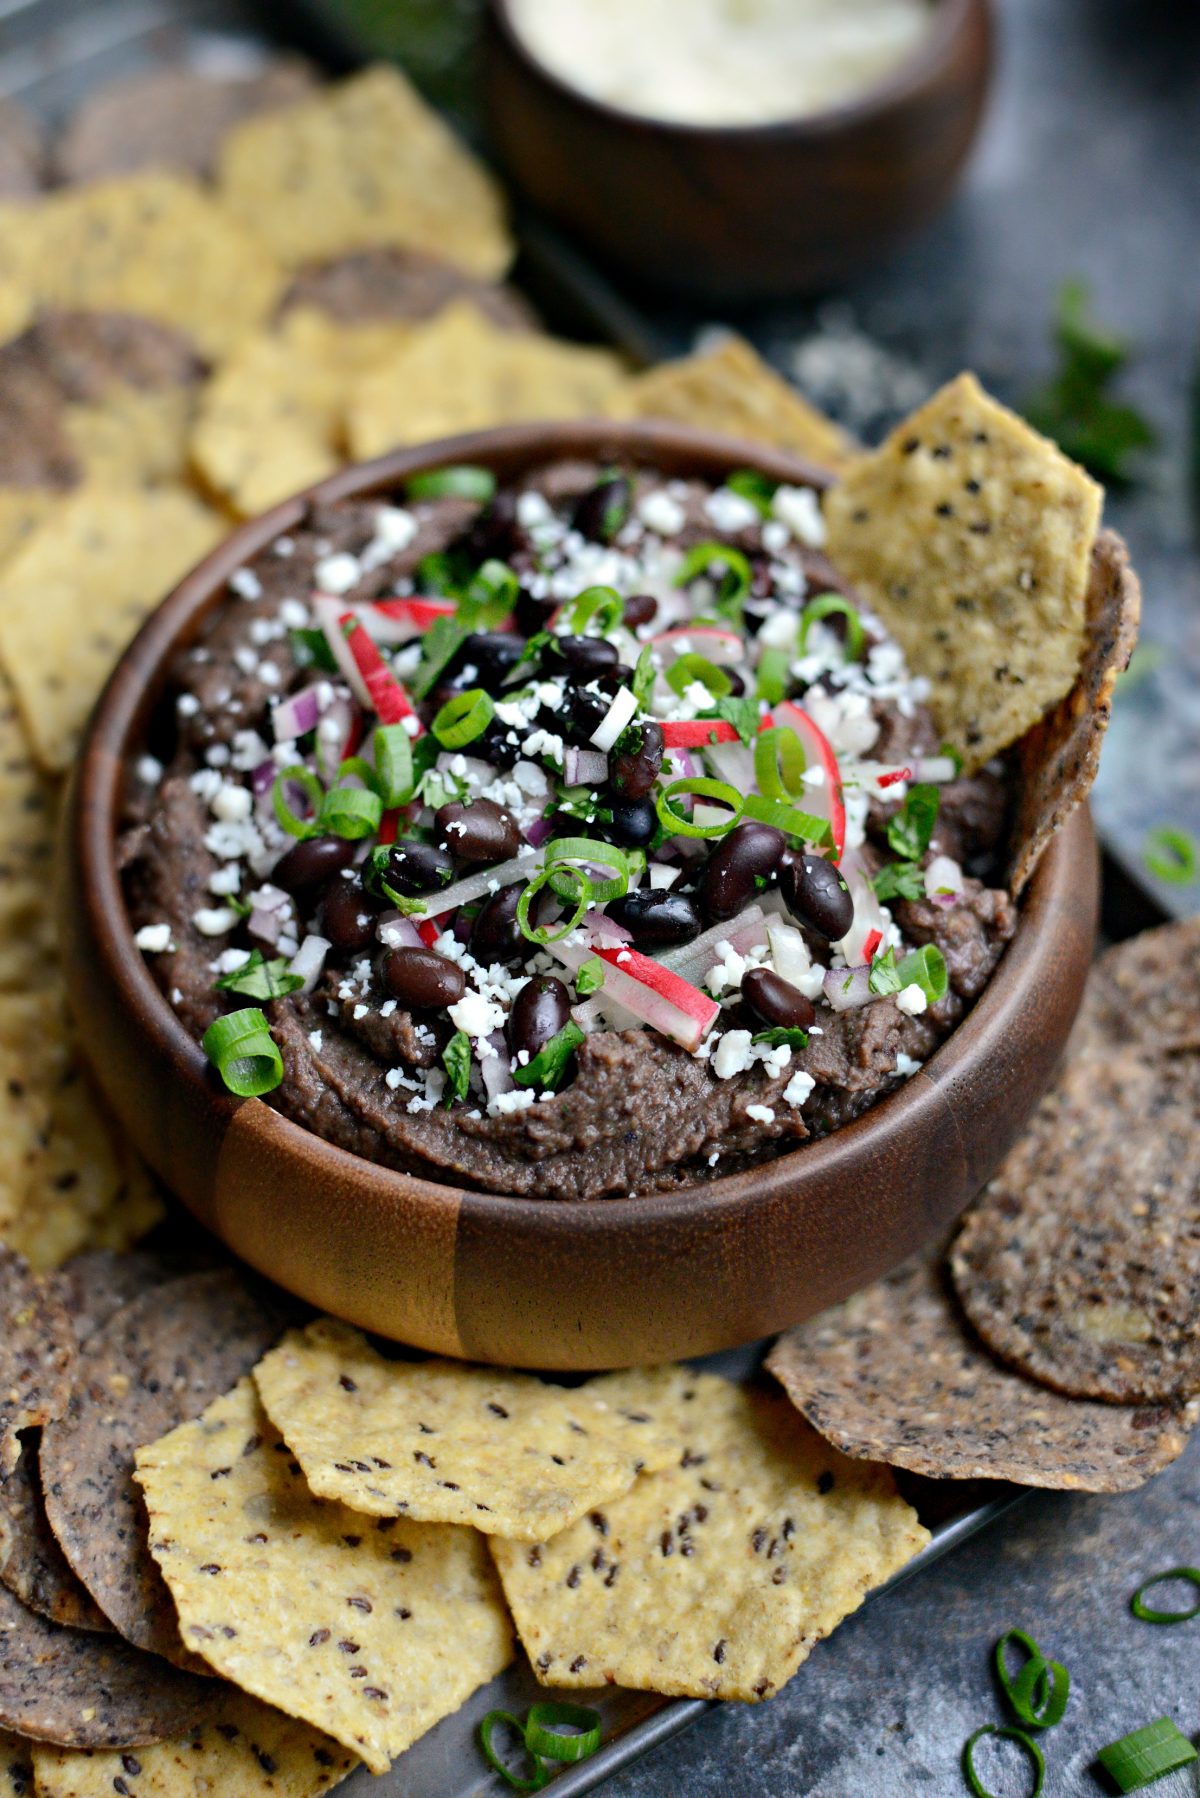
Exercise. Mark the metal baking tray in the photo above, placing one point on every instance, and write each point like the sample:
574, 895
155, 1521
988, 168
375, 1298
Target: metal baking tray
52, 52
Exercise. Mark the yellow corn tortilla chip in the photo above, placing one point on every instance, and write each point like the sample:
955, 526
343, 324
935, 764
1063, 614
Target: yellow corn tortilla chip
971, 537
28, 827
364, 163
130, 436
714, 1578
22, 509
247, 1750
73, 596
16, 1766
447, 1443
270, 420
17, 238
461, 372
369, 1633
158, 245
731, 389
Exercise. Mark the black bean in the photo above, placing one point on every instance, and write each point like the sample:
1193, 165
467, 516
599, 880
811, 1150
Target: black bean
640, 608
585, 655
491, 654
729, 880
422, 979
817, 895
348, 915
634, 822
495, 934
775, 1001
416, 868
533, 615
600, 513
737, 685
495, 532
632, 772
500, 744
583, 709
480, 831
309, 864
657, 919
540, 1010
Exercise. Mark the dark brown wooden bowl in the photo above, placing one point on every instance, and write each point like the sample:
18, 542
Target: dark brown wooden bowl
743, 212
529, 1282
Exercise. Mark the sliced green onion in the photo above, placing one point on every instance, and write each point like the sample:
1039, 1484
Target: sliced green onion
547, 1069
773, 677
829, 605
394, 775
787, 818
688, 668
562, 853
439, 646
1146, 1754
542, 933
1039, 1689
351, 813
1171, 856
244, 1053
678, 826
602, 607
1141, 1609
779, 763
486, 1729
260, 979
1024, 1742
441, 574
490, 597
464, 717
314, 792
734, 583
311, 650
589, 977
456, 1059
546, 1724
462, 482
644, 676
759, 489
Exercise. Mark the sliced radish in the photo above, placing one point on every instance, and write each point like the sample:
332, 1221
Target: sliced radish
652, 992
385, 695
892, 776
745, 932
870, 919
724, 649
696, 733
824, 801
874, 938
429, 930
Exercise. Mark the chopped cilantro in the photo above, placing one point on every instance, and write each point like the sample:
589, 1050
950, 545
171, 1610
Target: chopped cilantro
589, 977
1074, 408
548, 1067
900, 880
911, 828
311, 650
759, 489
740, 711
260, 979
456, 1059
781, 1034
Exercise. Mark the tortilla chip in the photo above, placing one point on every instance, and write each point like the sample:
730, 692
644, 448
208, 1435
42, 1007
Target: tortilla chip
73, 596
28, 832
22, 152
1143, 993
156, 1363
132, 437
22, 509
17, 300
732, 390
364, 163
371, 1633
36, 1349
16, 1766
1080, 1263
971, 537
87, 1691
1058, 759
460, 372
246, 1750
157, 245
445, 1443
370, 286
714, 1578
895, 1375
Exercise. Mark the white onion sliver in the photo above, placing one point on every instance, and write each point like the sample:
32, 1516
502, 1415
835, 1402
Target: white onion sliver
309, 960
943, 880
662, 877
267, 926
789, 953
584, 767
601, 925
496, 1069
848, 988
621, 712
935, 768
485, 880
693, 960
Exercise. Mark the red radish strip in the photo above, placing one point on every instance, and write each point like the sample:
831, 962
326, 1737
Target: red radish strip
890, 779
389, 825
696, 733
724, 649
429, 930
869, 916
385, 695
328, 612
600, 925
871, 945
826, 800
419, 612
649, 990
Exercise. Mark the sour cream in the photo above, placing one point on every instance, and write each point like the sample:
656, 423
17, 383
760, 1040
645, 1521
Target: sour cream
721, 62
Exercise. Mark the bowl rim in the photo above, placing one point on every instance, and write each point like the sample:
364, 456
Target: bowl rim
135, 685
895, 87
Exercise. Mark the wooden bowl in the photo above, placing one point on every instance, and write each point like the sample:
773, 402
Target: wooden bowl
529, 1282
745, 212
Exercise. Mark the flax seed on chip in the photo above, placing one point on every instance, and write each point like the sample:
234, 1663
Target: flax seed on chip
369, 1631
971, 537
713, 1578
446, 1443
36, 1349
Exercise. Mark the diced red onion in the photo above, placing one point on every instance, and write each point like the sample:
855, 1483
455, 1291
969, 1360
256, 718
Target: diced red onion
600, 925
621, 712
683, 763
309, 960
497, 1069
265, 926
848, 988
398, 932
584, 767
943, 880
332, 749
693, 960
539, 832
296, 716
481, 883
263, 778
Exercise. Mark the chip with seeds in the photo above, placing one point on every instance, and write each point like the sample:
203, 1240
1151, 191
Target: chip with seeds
156, 1363
1058, 757
713, 1578
36, 1349
461, 372
28, 831
1080, 1262
82, 1690
368, 286
1144, 993
895, 1374
971, 537
446, 1443
364, 163
73, 596
370, 1632
22, 510
731, 389
245, 1750
152, 244
16, 1766
131, 437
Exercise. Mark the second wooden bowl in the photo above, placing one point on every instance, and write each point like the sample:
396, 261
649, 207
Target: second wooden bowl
528, 1282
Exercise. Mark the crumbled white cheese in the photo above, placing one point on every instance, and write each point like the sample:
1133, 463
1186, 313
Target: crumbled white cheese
731, 512
912, 999
475, 1015
232, 805
906, 1065
338, 573
798, 1088
732, 1055
504, 1104
762, 1114
800, 510
245, 583
154, 939
214, 920
187, 705
316, 1038
149, 770
226, 880
660, 513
